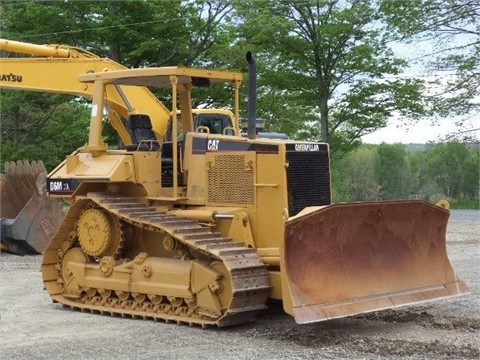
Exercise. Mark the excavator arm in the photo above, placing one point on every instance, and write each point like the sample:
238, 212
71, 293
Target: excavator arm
57, 69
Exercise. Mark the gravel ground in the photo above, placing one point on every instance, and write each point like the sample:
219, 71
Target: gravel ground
32, 327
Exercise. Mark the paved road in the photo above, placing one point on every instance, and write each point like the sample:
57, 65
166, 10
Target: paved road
465, 214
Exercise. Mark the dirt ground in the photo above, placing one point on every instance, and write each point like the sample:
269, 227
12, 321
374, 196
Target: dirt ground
32, 327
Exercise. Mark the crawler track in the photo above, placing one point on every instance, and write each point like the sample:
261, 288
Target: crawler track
247, 275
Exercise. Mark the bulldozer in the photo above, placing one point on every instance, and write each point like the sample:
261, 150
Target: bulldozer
204, 228
28, 218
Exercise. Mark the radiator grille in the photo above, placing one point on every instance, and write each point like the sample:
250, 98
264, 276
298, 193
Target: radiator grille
308, 177
231, 181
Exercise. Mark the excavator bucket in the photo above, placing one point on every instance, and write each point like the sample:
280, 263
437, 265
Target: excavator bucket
28, 218
346, 259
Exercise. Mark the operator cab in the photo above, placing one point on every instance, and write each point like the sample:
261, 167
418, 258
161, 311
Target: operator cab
205, 122
213, 124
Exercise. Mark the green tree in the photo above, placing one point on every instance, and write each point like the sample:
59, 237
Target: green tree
416, 160
354, 176
328, 59
446, 165
41, 127
472, 175
134, 33
393, 171
451, 29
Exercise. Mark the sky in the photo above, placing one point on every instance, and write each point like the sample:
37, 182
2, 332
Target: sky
425, 130
422, 132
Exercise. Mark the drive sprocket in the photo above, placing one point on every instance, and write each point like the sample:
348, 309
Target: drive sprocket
98, 233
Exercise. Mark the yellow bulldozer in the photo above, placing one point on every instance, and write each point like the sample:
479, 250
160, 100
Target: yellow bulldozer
204, 228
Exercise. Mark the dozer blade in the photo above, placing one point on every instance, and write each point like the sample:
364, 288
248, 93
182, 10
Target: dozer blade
346, 259
28, 218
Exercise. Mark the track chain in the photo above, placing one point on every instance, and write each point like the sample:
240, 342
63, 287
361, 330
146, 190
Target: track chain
249, 276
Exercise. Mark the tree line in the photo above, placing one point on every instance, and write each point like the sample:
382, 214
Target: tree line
433, 172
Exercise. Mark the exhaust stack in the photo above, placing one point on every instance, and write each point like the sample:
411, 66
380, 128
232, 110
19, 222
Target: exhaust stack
252, 95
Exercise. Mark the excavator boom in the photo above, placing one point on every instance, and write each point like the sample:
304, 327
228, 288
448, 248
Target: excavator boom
57, 71
58, 51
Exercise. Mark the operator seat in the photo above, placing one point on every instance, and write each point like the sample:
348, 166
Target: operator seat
140, 129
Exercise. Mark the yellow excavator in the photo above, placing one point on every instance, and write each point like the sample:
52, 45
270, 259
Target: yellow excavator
203, 228
55, 68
